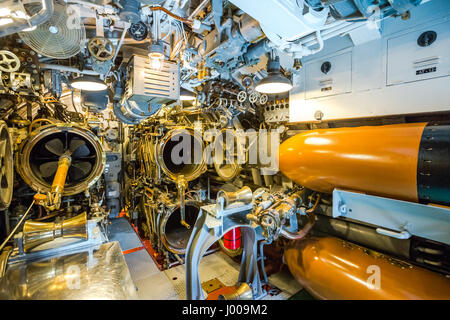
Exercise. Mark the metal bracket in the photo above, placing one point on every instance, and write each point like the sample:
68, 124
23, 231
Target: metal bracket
209, 228
95, 238
402, 218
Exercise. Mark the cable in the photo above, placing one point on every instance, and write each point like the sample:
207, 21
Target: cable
73, 103
30, 128
170, 31
314, 206
17, 226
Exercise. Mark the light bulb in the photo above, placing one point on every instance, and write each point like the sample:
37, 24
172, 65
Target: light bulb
275, 82
77, 99
89, 86
155, 63
156, 60
186, 98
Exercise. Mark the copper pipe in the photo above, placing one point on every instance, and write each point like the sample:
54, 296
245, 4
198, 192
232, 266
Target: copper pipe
301, 233
188, 22
313, 209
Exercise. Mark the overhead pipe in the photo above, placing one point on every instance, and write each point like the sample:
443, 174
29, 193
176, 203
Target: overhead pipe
256, 50
42, 16
67, 69
331, 32
158, 8
305, 51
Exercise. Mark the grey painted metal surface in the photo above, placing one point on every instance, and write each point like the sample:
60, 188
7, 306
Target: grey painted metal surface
212, 223
363, 235
394, 218
121, 230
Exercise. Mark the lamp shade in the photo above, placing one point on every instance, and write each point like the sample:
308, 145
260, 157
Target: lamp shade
88, 83
275, 82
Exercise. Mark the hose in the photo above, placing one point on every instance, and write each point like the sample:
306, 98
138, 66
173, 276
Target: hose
30, 128
308, 226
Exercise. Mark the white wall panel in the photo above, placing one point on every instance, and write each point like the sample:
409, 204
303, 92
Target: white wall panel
383, 73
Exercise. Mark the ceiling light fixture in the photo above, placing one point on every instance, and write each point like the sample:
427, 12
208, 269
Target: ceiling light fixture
88, 83
275, 82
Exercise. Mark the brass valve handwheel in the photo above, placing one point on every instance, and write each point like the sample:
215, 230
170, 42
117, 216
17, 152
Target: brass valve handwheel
101, 49
9, 62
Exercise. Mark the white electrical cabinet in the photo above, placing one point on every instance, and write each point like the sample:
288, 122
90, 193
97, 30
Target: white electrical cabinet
407, 71
419, 55
329, 76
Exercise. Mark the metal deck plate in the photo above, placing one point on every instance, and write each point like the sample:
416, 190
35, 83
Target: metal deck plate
170, 284
121, 230
141, 265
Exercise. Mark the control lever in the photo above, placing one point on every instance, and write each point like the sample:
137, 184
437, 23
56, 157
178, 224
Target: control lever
53, 200
181, 186
394, 234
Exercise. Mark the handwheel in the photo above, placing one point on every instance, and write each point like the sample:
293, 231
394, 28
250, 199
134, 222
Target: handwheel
242, 96
101, 49
9, 62
263, 99
254, 96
